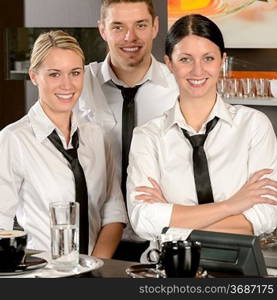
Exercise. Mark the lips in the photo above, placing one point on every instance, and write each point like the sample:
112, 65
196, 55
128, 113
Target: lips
133, 49
65, 97
130, 49
197, 82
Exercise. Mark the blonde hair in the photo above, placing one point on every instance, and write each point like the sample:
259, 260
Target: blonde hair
53, 39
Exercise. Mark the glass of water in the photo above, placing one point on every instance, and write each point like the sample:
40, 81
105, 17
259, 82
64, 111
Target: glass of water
64, 225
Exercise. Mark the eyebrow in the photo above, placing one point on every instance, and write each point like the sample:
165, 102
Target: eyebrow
139, 21
188, 54
57, 70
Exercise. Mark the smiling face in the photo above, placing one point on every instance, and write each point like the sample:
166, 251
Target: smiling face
196, 64
59, 79
129, 30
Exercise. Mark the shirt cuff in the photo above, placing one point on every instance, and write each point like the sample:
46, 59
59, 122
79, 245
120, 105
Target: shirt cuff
263, 218
148, 219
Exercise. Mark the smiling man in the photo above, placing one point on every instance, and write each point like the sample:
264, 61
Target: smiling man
129, 28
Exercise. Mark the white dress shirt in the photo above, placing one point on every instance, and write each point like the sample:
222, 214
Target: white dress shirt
104, 101
34, 173
242, 142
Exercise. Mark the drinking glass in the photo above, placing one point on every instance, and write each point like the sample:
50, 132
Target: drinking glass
64, 222
234, 88
262, 87
273, 87
222, 88
248, 87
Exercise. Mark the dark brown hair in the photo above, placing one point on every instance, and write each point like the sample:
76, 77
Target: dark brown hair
106, 3
193, 25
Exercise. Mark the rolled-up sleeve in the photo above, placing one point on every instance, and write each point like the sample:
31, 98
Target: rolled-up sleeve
10, 177
263, 154
147, 219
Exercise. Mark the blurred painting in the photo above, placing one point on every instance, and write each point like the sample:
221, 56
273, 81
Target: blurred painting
244, 23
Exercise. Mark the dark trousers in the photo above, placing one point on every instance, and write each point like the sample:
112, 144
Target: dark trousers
130, 251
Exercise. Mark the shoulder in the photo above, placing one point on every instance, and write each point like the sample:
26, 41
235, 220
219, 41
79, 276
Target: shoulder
91, 68
14, 135
152, 128
22, 126
251, 115
252, 121
162, 67
89, 129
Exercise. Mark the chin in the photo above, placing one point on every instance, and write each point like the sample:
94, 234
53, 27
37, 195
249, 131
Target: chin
135, 63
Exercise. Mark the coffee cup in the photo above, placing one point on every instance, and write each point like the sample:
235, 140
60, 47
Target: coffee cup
12, 249
178, 258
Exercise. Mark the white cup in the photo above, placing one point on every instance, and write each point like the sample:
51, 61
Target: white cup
64, 222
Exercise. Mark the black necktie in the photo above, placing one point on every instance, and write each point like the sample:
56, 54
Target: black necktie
200, 164
128, 125
81, 194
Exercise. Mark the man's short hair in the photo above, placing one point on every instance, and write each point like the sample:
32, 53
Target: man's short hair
106, 3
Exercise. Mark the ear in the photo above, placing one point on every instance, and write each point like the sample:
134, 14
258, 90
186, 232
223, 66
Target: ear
33, 77
156, 24
101, 28
168, 63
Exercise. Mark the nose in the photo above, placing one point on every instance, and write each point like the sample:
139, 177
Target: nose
130, 35
66, 82
197, 69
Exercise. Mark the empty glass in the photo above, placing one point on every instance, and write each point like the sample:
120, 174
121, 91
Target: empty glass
222, 87
234, 88
273, 87
262, 87
248, 87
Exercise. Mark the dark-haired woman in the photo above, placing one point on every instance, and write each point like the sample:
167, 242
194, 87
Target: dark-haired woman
240, 148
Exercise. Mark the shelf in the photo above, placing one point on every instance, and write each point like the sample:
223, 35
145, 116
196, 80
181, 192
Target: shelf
254, 101
19, 75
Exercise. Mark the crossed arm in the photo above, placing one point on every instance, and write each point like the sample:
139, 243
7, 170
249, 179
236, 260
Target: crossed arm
225, 216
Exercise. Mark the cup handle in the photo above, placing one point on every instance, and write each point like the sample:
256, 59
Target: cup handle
151, 253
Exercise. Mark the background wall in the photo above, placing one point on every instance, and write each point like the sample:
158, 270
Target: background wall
11, 92
84, 13
74, 13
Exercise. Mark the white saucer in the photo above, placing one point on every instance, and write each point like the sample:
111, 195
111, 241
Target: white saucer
86, 264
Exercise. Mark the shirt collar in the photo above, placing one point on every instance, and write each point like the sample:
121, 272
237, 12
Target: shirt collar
154, 74
43, 126
221, 110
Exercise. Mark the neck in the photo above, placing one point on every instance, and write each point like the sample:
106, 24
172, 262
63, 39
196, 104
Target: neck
197, 110
62, 120
64, 126
131, 75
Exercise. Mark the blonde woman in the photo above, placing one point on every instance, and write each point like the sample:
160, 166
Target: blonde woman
35, 171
